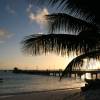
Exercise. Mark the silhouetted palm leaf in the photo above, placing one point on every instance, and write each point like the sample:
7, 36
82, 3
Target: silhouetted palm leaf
84, 7
60, 44
63, 22
88, 9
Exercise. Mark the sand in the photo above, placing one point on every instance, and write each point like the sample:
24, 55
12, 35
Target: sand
56, 95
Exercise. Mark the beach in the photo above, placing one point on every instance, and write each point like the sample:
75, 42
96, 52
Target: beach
45, 95
35, 87
56, 95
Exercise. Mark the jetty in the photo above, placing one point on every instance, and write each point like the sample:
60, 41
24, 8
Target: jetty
95, 73
40, 72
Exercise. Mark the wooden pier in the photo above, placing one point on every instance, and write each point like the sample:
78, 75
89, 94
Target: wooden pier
40, 72
95, 74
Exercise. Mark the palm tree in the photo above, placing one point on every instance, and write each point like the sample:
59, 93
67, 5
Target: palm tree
80, 17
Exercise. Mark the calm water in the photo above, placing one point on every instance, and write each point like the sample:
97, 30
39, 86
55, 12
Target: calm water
17, 83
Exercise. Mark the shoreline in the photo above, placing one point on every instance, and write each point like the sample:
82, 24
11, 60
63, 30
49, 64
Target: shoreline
57, 94
39, 91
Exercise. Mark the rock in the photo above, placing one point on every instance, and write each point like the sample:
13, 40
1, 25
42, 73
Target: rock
91, 84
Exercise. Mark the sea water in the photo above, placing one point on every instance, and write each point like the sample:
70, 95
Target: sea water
21, 83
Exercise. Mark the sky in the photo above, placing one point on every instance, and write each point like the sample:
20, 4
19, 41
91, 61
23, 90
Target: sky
19, 18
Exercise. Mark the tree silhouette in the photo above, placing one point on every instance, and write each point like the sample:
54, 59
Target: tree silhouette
78, 16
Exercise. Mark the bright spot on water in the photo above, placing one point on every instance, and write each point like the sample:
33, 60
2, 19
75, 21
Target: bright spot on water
87, 76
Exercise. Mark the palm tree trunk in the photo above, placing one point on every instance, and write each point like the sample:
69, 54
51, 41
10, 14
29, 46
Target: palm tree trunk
78, 61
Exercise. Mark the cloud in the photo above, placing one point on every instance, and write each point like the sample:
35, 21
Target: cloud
10, 9
4, 34
29, 9
38, 17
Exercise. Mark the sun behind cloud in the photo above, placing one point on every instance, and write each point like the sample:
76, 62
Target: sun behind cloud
38, 17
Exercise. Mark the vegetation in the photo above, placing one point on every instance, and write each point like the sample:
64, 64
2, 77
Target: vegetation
78, 16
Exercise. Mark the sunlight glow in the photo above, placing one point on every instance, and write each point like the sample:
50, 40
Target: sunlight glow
87, 76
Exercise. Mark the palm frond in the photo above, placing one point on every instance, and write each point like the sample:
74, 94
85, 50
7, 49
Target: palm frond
87, 8
48, 2
59, 43
63, 22
85, 5
77, 62
90, 7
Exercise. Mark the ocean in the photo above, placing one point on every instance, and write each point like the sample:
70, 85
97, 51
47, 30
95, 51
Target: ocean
20, 83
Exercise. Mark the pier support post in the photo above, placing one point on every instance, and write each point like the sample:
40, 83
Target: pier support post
59, 73
75, 75
91, 76
96, 75
84, 75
